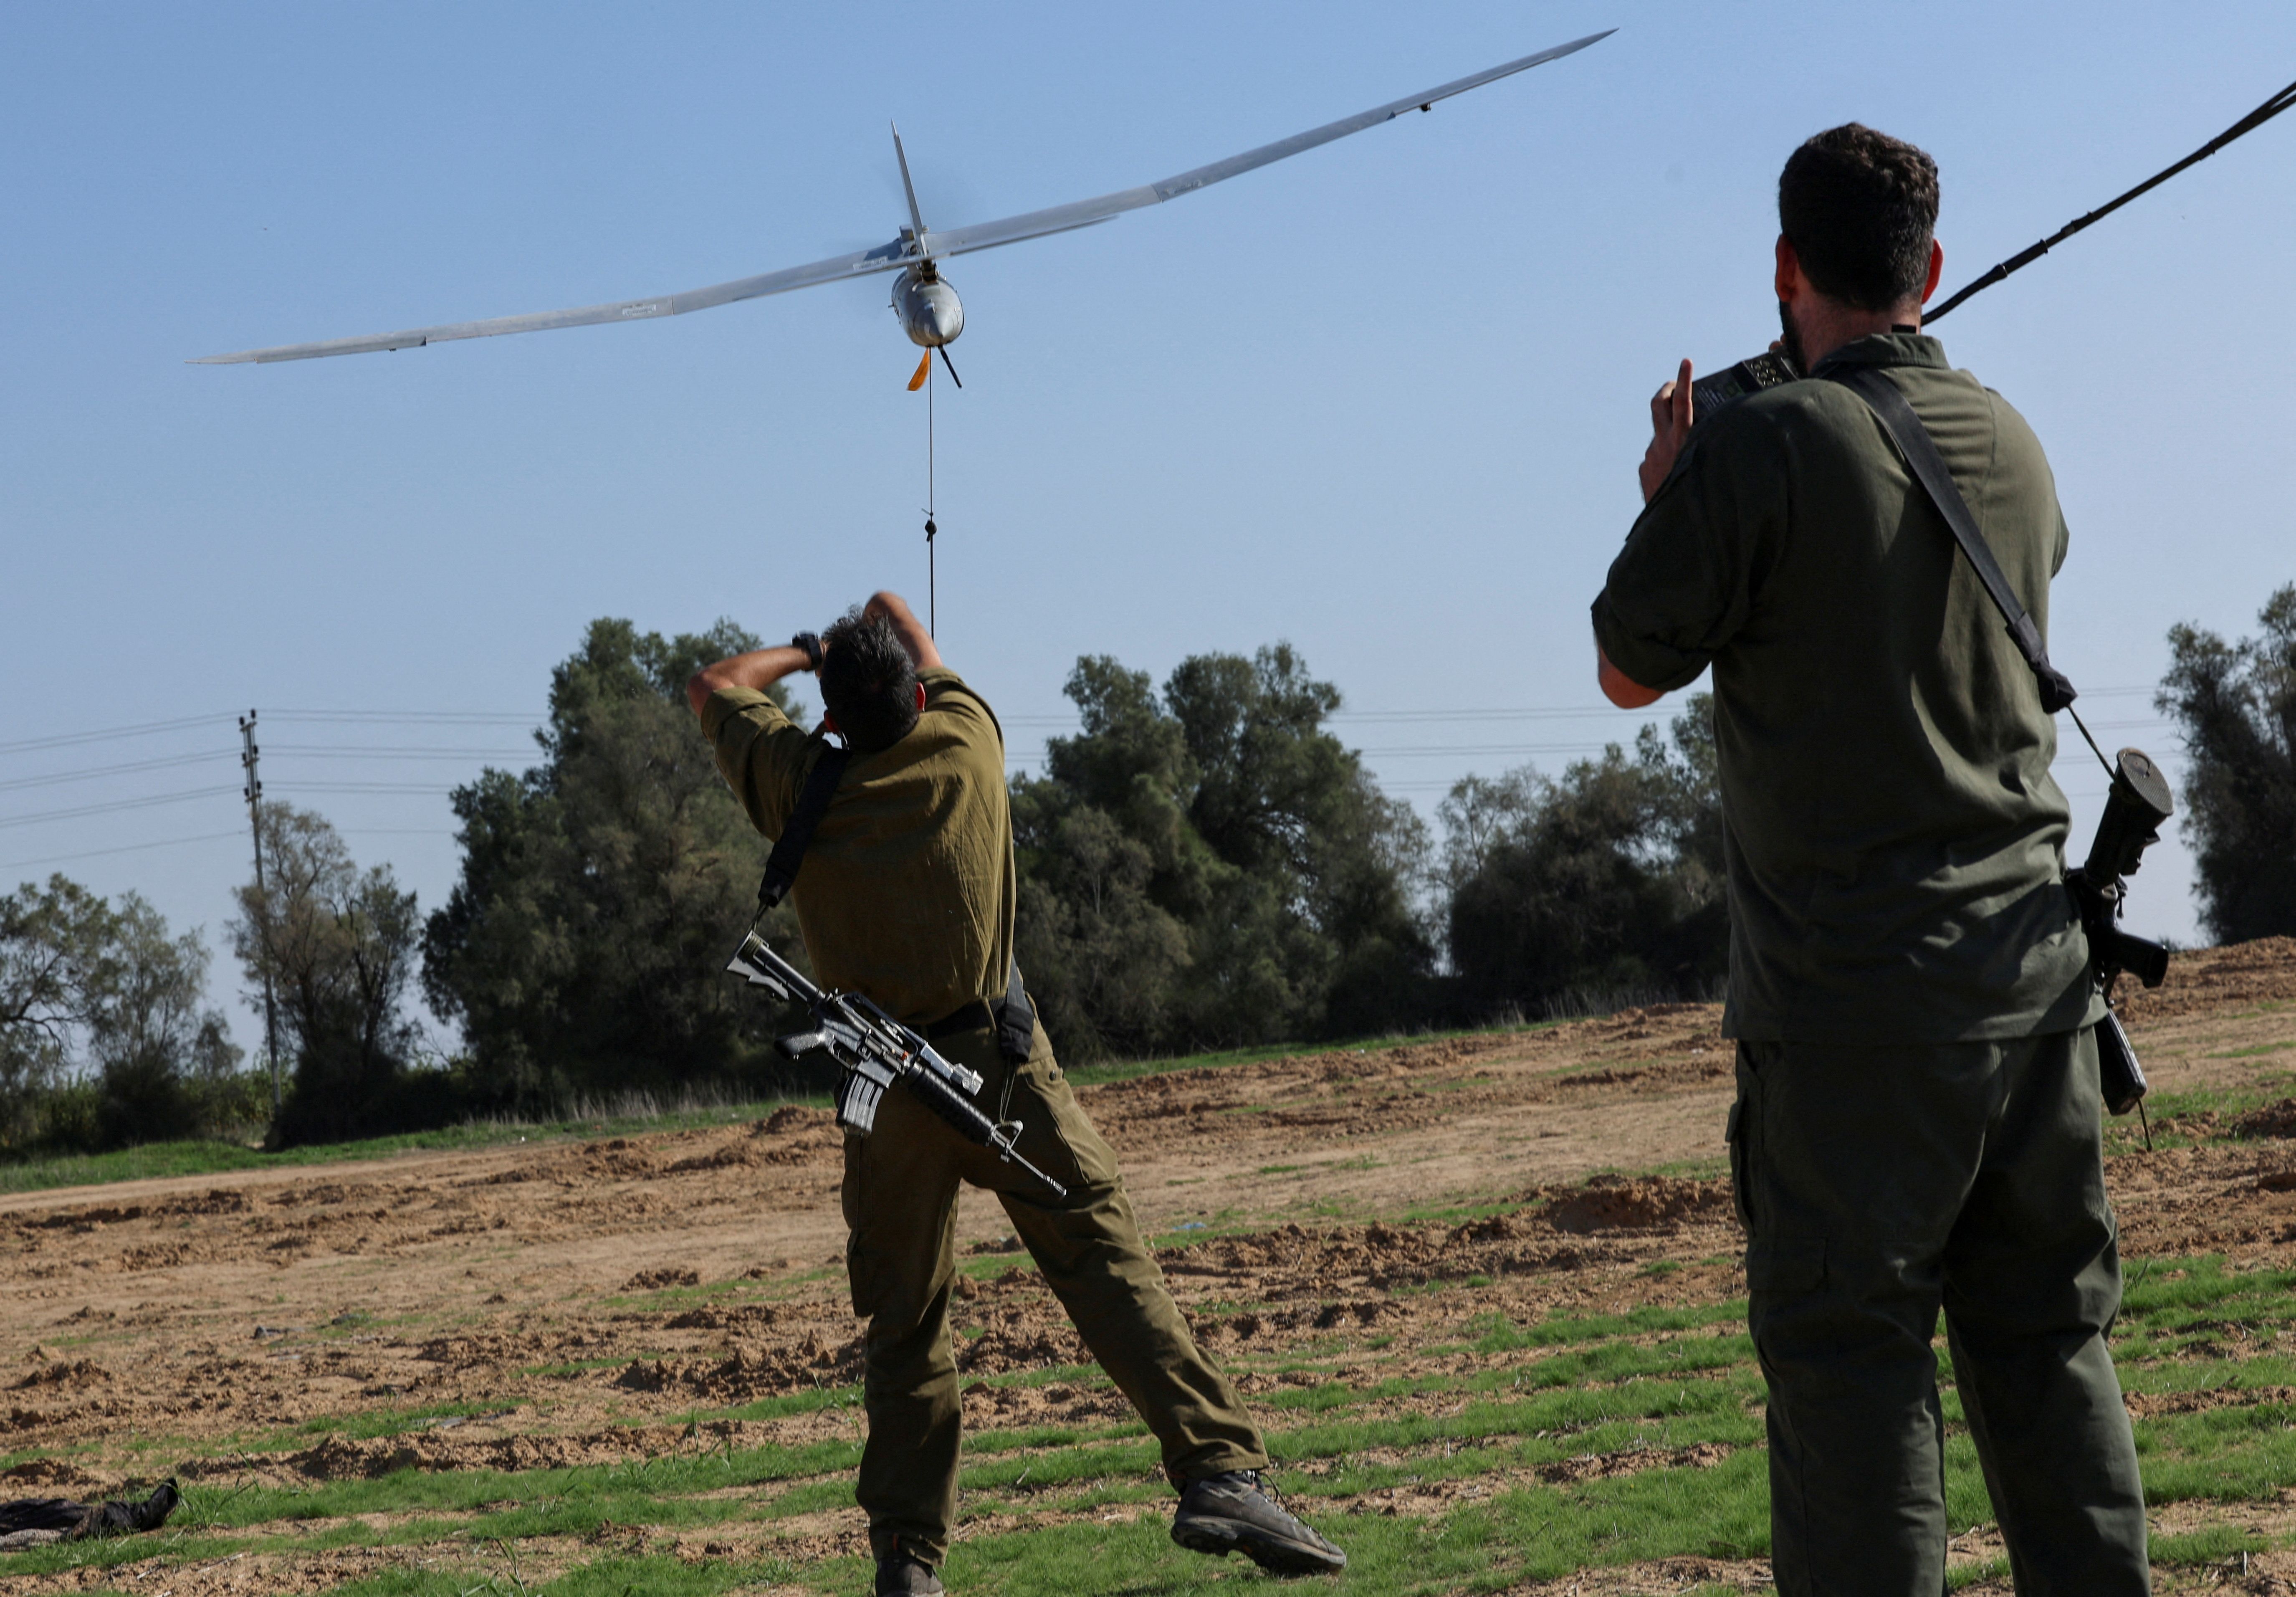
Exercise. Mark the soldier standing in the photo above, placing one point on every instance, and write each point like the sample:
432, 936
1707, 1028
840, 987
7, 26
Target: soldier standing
908, 895
1917, 1122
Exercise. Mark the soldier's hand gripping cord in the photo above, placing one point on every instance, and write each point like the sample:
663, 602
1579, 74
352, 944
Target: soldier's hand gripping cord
875, 1051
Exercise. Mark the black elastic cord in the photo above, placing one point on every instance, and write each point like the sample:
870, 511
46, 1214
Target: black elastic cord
2249, 123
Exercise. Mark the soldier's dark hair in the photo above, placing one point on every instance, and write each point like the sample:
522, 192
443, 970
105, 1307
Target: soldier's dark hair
868, 682
1858, 208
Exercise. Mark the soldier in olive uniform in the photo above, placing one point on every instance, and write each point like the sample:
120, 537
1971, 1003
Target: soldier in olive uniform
1917, 1119
907, 895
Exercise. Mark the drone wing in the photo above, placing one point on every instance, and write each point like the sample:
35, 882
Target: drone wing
1084, 213
885, 258
902, 250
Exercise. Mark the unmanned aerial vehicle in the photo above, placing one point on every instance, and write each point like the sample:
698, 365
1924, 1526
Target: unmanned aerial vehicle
928, 307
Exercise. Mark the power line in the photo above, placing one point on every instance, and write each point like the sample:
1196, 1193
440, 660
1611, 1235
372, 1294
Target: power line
1550, 712
133, 848
57, 778
393, 751
67, 739
125, 848
534, 719
145, 802
440, 787
172, 761
414, 717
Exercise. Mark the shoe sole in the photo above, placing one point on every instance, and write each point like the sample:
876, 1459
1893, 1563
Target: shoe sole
1220, 1537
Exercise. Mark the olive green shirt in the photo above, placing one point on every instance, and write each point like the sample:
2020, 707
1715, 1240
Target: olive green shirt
906, 894
1894, 839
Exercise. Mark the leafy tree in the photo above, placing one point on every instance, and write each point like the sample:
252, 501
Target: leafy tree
48, 938
90, 989
1212, 865
2236, 704
602, 890
337, 945
1608, 877
167, 1065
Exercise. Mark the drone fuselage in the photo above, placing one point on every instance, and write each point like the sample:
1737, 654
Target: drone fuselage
931, 312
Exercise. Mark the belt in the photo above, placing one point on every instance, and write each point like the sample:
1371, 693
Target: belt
975, 1017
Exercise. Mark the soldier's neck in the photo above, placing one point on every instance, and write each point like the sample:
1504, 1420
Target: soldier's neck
1826, 324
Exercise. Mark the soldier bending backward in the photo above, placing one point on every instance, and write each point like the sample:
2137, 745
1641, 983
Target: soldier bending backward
907, 895
1917, 1121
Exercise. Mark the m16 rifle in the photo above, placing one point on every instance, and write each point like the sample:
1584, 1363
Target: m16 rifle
875, 1051
2138, 803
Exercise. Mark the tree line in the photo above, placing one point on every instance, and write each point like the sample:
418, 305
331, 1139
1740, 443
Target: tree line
1204, 864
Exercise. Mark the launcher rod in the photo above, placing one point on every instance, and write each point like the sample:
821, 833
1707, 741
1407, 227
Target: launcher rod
2248, 124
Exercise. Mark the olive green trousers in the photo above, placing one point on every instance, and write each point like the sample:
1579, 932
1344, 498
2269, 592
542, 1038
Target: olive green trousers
900, 1203
1878, 1186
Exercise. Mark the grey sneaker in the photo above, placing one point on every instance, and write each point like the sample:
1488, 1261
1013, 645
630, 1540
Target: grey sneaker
905, 1575
1233, 1512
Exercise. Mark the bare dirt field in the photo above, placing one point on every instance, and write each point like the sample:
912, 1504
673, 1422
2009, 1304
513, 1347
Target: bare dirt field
1346, 1228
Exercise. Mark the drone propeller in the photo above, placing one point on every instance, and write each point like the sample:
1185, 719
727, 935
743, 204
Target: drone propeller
924, 369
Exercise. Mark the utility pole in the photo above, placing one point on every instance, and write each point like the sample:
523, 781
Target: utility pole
248, 756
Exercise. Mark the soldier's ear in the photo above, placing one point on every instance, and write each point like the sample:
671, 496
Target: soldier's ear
829, 723
1789, 279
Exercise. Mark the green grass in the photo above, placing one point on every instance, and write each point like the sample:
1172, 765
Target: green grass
1476, 1431
1489, 1427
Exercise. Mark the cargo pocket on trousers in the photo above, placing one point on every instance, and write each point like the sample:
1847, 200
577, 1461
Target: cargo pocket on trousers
1084, 1159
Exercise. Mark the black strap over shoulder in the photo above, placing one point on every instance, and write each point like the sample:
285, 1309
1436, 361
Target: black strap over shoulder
797, 837
1929, 469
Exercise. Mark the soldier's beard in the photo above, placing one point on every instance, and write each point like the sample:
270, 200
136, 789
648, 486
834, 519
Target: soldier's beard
1792, 338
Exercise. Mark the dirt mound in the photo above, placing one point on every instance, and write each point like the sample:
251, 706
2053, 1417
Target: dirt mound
747, 1319
1019, 1408
1634, 1461
76, 1372
368, 1458
2144, 1405
732, 1154
1020, 1338
2237, 974
52, 1473
750, 1372
1640, 1203
2273, 1120
657, 1280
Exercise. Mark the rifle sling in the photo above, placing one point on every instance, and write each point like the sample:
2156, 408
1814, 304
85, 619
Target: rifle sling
797, 837
1904, 430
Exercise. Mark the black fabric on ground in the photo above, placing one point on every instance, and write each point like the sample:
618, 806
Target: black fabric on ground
79, 1519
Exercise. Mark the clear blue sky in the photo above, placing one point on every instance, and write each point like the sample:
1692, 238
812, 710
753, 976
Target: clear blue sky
1384, 400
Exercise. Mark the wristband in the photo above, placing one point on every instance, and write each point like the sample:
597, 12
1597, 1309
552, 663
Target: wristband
811, 642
